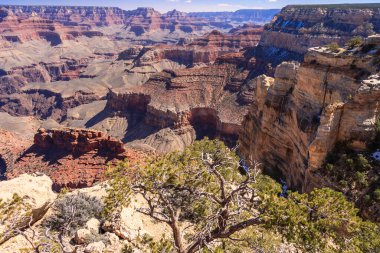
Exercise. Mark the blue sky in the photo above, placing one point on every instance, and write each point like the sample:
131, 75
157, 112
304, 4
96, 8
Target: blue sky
184, 5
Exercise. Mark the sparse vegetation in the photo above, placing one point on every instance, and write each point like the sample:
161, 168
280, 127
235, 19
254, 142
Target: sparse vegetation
16, 218
72, 212
225, 211
333, 47
354, 42
356, 175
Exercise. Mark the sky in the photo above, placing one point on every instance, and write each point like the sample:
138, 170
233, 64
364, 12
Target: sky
184, 5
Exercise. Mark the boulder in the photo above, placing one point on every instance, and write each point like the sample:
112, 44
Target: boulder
112, 239
36, 194
95, 247
130, 224
82, 235
93, 225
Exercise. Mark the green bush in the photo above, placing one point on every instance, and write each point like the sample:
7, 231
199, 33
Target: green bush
333, 47
362, 163
376, 194
361, 178
354, 42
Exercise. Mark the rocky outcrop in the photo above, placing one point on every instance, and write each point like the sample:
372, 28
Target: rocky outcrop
11, 148
78, 141
240, 37
71, 15
299, 27
36, 195
330, 97
72, 158
195, 98
206, 49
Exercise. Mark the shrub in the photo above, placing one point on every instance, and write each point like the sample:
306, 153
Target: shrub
72, 212
362, 163
376, 194
361, 178
354, 42
333, 47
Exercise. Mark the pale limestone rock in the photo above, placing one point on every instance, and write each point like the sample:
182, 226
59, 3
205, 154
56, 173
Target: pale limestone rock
95, 247
93, 225
82, 235
131, 224
112, 239
373, 40
36, 192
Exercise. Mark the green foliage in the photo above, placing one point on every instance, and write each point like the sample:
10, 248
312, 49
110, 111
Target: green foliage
10, 207
163, 245
355, 174
354, 42
203, 187
376, 194
322, 221
376, 140
333, 47
72, 212
14, 213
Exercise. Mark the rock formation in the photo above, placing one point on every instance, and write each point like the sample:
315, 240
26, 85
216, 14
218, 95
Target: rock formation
36, 194
11, 147
78, 141
19, 28
299, 27
73, 158
239, 16
330, 97
194, 97
71, 15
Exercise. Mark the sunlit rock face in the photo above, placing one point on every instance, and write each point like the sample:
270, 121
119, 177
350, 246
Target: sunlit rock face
298, 28
309, 108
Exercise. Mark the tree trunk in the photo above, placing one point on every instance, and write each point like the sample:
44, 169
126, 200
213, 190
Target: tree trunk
177, 237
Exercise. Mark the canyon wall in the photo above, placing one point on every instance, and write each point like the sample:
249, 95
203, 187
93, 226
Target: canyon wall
297, 28
71, 15
311, 106
256, 16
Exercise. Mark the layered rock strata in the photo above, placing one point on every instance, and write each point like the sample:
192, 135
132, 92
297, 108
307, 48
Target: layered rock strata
71, 15
72, 158
299, 27
331, 97
195, 97
16, 28
78, 141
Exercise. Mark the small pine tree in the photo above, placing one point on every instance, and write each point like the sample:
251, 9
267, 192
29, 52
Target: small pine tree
333, 47
354, 42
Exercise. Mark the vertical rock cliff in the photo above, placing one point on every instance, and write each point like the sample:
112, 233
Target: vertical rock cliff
330, 97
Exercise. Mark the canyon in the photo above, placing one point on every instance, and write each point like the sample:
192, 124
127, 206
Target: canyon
294, 92
105, 85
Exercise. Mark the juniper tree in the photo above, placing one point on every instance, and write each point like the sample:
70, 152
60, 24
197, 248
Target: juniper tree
209, 205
